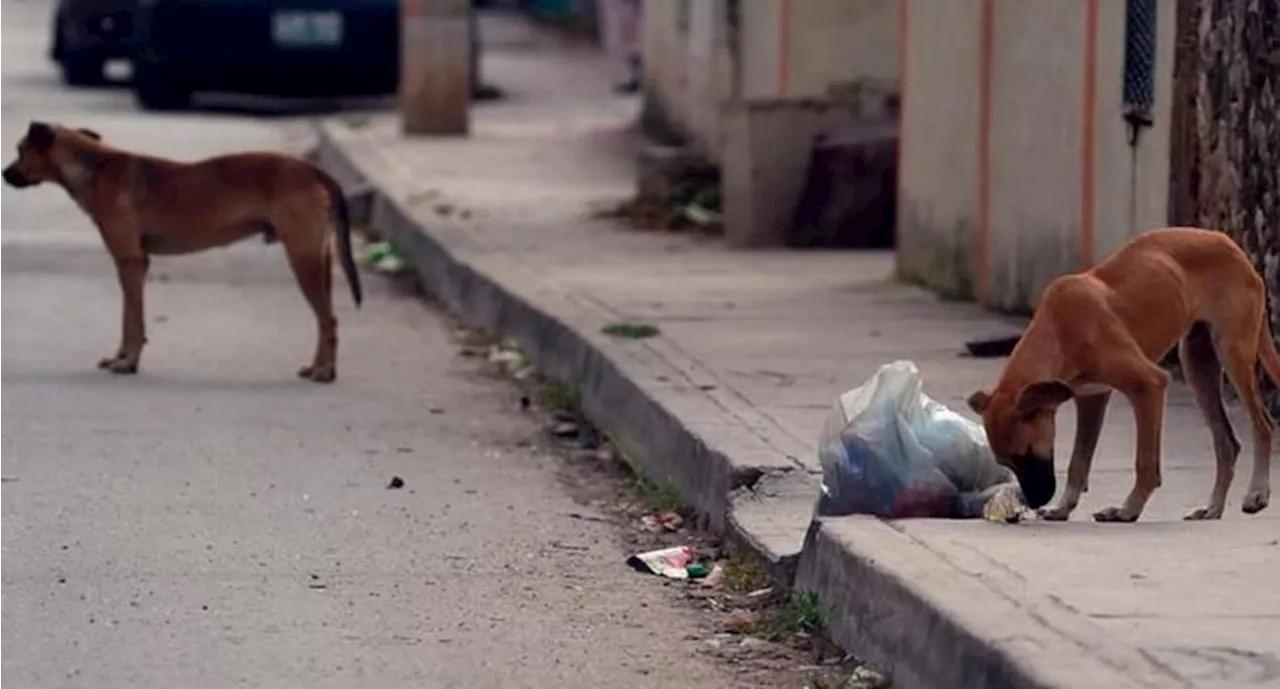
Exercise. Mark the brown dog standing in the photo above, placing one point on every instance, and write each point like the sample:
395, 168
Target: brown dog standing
1104, 329
145, 205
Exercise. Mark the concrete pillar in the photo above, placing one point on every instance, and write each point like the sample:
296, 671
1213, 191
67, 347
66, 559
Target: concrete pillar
435, 67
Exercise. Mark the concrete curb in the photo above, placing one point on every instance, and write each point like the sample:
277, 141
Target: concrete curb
870, 582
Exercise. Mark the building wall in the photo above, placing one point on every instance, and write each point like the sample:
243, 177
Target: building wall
938, 180
697, 66
837, 41
1015, 164
687, 69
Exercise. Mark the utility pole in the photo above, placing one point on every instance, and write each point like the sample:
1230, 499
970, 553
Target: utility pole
435, 67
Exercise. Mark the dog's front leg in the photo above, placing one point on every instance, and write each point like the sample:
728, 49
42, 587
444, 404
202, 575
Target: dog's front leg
1091, 411
132, 271
1147, 396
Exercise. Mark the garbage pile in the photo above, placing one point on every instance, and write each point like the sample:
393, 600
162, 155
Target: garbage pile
889, 450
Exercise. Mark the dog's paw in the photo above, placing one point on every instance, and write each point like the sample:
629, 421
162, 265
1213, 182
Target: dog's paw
1114, 515
1057, 513
1203, 514
1256, 500
123, 367
106, 363
319, 374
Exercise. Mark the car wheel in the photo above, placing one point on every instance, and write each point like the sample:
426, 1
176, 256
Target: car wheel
158, 88
56, 42
81, 70
77, 69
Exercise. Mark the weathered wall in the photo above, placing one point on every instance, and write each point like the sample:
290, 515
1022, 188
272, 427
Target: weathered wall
834, 42
688, 69
698, 64
938, 151
1226, 171
1016, 165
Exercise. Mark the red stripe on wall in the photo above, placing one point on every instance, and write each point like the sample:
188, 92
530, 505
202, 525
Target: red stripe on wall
982, 260
784, 47
1087, 134
902, 103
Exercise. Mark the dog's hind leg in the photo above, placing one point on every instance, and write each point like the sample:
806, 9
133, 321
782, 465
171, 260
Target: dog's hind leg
312, 266
1204, 374
1237, 345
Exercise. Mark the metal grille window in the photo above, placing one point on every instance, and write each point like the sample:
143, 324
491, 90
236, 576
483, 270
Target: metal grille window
1139, 60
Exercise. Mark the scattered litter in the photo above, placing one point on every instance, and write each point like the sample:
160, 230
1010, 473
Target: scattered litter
696, 570
992, 347
317, 586
714, 578
435, 410
569, 546
864, 677
587, 517
565, 429
503, 356
395, 483
671, 563
702, 216
662, 521
630, 331
384, 257
889, 450
8, 479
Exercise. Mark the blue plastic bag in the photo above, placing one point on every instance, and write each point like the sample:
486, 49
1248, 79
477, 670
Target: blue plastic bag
889, 450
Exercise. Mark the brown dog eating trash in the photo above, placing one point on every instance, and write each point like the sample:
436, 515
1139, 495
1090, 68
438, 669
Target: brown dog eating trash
146, 205
1104, 329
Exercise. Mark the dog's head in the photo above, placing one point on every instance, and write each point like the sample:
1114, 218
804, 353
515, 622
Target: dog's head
39, 153
1020, 428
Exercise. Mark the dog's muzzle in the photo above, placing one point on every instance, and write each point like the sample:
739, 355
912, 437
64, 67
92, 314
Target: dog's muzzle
1035, 476
14, 178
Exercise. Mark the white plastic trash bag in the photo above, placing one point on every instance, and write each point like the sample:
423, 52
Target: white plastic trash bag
889, 450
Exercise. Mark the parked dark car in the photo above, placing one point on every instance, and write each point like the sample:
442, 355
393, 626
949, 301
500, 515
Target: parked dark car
87, 33
290, 48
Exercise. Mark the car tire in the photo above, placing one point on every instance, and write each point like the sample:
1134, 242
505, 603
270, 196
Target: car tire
82, 70
157, 88
77, 69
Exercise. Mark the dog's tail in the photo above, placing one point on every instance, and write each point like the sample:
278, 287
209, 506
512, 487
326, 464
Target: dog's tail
342, 219
1267, 355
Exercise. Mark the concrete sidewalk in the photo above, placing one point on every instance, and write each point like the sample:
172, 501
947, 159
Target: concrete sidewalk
754, 347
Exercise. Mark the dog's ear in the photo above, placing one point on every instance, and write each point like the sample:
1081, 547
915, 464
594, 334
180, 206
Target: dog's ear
979, 400
1045, 394
40, 135
91, 134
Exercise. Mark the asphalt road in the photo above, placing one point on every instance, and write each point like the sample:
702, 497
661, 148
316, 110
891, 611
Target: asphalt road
215, 521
